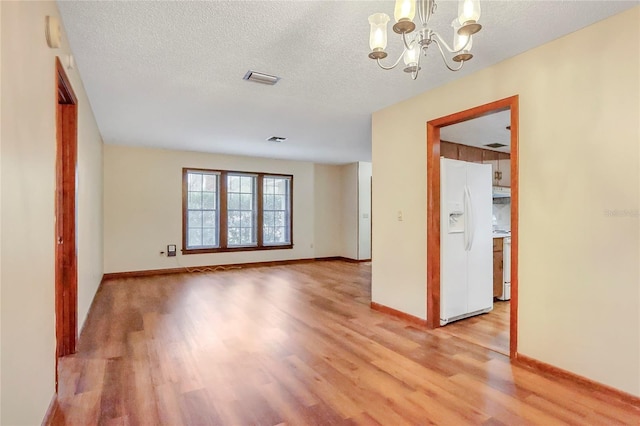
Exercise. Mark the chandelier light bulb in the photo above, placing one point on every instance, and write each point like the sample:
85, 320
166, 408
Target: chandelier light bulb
460, 40
411, 55
405, 10
468, 11
378, 35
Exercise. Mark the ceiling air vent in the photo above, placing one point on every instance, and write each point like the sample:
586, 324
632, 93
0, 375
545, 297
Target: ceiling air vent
258, 77
495, 145
276, 139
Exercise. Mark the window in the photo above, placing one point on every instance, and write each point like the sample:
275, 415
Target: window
235, 211
242, 211
276, 209
202, 209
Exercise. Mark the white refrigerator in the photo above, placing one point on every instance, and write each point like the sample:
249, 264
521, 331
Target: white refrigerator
466, 246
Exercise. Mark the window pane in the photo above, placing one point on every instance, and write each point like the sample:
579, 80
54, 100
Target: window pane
234, 219
234, 236
246, 201
279, 202
268, 202
233, 184
268, 218
279, 219
195, 219
279, 236
195, 200
246, 236
195, 237
209, 183
246, 184
195, 181
208, 200
209, 219
246, 219
234, 202
209, 237
268, 234
281, 186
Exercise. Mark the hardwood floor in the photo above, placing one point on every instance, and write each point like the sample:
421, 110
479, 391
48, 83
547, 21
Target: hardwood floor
299, 345
490, 330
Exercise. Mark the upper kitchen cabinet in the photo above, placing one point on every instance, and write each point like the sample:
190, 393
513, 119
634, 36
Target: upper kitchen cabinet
504, 167
449, 150
470, 154
500, 161
500, 165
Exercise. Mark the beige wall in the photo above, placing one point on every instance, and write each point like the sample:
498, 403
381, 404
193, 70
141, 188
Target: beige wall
0, 210
143, 208
328, 210
27, 161
579, 152
349, 187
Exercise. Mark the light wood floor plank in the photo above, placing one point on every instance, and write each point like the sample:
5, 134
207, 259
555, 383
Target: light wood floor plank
297, 345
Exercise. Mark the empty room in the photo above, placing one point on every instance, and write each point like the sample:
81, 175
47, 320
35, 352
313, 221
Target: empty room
319, 212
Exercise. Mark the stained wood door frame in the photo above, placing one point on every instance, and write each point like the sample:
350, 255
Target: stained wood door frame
66, 269
433, 209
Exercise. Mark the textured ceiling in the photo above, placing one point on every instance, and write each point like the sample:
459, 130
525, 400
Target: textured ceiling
169, 74
478, 132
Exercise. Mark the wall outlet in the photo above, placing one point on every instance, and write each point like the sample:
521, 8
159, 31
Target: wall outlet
171, 250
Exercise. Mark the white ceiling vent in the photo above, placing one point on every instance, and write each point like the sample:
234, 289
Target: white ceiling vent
276, 139
258, 77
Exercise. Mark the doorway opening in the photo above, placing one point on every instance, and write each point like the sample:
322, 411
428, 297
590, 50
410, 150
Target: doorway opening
436, 148
66, 272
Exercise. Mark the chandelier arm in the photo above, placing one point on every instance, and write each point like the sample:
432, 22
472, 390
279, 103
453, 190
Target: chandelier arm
392, 66
407, 46
441, 40
444, 58
414, 75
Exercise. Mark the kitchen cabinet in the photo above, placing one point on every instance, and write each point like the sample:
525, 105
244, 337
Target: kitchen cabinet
504, 167
500, 161
449, 150
498, 266
470, 154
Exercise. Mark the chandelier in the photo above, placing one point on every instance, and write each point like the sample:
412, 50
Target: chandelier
464, 26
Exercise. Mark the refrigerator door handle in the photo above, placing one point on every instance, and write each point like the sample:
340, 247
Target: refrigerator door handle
470, 228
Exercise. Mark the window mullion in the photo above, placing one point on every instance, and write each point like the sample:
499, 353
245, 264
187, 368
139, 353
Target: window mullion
185, 205
224, 216
260, 212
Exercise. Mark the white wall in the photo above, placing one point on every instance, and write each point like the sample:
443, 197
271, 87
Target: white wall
349, 187
143, 207
579, 151
328, 210
28, 154
364, 210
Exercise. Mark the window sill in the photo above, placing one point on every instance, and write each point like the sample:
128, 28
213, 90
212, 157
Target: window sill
235, 249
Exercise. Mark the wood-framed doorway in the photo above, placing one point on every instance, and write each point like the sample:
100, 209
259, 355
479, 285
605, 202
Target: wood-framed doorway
433, 209
66, 269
